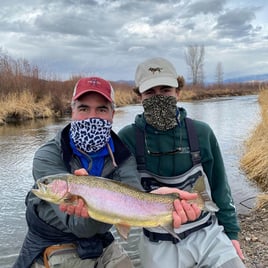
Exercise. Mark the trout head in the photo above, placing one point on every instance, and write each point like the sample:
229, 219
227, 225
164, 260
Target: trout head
54, 191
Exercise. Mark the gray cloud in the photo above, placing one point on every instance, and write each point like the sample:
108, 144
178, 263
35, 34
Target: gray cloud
110, 37
205, 7
236, 23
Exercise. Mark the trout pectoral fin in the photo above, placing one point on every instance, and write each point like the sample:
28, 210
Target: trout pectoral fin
70, 199
123, 230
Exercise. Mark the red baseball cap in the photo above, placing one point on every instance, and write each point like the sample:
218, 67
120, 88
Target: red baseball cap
93, 84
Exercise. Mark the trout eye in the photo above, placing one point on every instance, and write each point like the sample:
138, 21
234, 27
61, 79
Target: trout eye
45, 181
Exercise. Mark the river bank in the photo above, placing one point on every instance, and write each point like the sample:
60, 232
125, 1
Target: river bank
254, 226
254, 237
17, 106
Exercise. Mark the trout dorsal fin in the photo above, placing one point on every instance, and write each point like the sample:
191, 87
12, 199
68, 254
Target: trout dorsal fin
199, 185
200, 188
173, 195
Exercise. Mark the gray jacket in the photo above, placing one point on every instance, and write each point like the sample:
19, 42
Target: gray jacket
56, 157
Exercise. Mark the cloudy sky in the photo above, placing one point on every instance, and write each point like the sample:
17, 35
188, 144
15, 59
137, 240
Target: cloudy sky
109, 38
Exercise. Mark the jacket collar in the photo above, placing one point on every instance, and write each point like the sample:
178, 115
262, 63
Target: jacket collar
121, 152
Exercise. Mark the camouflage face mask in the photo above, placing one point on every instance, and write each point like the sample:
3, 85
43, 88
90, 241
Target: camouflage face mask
160, 112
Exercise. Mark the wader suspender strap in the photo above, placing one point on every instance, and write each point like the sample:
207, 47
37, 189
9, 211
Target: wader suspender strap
140, 145
193, 141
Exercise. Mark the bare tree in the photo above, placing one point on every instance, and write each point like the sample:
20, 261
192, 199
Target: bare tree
194, 56
219, 73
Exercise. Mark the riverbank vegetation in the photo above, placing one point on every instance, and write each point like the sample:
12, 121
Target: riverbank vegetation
254, 226
255, 160
27, 93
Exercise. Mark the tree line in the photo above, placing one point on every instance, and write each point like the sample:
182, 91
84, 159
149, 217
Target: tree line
195, 57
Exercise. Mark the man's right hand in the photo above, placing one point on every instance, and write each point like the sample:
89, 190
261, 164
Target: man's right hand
183, 211
80, 209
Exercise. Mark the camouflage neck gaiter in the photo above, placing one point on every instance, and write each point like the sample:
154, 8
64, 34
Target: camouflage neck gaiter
160, 112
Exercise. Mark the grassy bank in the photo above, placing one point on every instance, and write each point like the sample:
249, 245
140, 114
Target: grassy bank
23, 106
255, 160
28, 93
52, 98
254, 229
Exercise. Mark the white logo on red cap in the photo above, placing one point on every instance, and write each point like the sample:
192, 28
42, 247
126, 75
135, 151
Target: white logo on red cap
94, 82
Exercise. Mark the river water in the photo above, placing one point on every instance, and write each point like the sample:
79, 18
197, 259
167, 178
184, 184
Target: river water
232, 119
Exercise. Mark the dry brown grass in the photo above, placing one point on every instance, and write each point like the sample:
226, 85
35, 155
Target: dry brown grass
50, 98
255, 160
26, 92
262, 201
23, 106
124, 94
214, 91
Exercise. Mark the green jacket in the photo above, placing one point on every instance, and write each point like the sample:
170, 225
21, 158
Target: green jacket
179, 163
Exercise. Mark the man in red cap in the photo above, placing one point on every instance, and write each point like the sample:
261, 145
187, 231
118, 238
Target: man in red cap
59, 236
85, 146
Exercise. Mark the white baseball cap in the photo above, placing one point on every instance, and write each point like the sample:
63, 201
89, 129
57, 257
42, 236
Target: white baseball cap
155, 72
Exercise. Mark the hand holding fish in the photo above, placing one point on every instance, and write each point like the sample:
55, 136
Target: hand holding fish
80, 209
184, 211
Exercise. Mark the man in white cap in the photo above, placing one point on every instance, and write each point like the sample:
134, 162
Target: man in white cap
173, 150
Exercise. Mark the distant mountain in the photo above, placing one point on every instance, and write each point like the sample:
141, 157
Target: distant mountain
240, 79
248, 78
129, 82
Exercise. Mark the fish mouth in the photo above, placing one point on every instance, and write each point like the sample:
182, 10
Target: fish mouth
42, 187
45, 192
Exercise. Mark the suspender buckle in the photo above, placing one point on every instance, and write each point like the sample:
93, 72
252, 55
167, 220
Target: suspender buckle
196, 157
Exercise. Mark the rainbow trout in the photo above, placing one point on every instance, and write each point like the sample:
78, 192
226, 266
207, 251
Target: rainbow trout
116, 203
